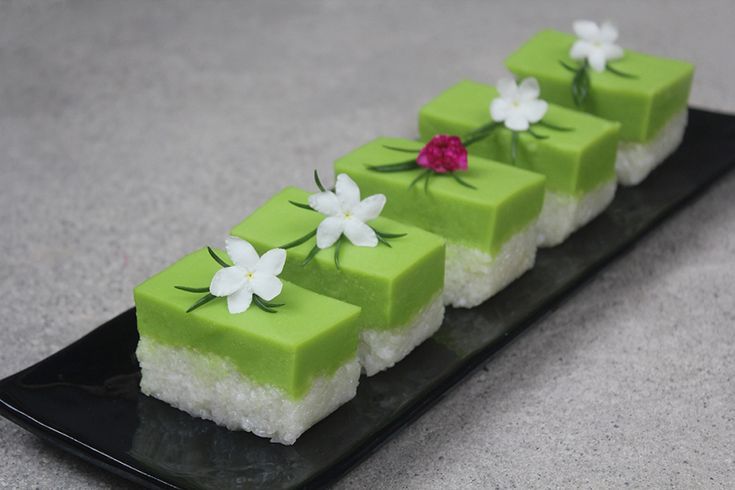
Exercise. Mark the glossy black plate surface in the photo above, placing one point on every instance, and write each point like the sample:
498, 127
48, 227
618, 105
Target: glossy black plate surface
85, 398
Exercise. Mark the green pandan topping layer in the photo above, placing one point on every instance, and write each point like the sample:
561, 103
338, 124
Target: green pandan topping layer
391, 284
504, 201
574, 162
644, 103
310, 336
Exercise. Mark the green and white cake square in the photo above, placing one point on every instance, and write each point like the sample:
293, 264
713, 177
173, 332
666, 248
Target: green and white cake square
215, 344
485, 210
513, 125
647, 94
340, 247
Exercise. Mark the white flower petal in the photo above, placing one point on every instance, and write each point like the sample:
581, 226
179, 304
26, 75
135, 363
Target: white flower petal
240, 301
329, 230
326, 203
500, 109
612, 51
587, 30
266, 286
228, 280
241, 252
516, 122
347, 192
528, 89
608, 32
360, 234
369, 208
534, 110
580, 50
597, 60
507, 88
271, 262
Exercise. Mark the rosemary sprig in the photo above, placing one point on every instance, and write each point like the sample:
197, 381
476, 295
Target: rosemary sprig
201, 302
193, 290
217, 258
619, 73
479, 133
388, 235
461, 181
299, 241
548, 125
337, 246
301, 205
426, 182
395, 167
405, 150
265, 305
514, 147
421, 176
312, 254
581, 79
536, 135
318, 182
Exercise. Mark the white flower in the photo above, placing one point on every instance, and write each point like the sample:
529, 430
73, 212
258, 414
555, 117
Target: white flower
250, 275
596, 43
346, 214
518, 105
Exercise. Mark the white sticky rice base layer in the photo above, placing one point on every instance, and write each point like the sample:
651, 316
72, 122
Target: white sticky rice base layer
381, 349
211, 387
564, 214
636, 160
472, 276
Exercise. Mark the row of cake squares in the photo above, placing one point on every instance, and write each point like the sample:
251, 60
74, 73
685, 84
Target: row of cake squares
272, 334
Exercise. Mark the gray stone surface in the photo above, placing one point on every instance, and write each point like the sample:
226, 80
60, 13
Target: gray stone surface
133, 132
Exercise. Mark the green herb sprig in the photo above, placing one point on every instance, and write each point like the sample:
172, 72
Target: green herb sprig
581, 79
382, 236
264, 305
426, 174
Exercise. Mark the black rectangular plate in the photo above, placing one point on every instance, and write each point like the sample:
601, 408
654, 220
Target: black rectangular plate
86, 399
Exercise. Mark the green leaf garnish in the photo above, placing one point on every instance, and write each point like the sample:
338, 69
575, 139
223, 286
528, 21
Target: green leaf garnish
193, 290
264, 305
318, 182
336, 252
536, 135
312, 254
302, 205
395, 167
580, 81
201, 302
480, 133
461, 181
383, 241
548, 125
619, 73
388, 235
217, 258
405, 150
422, 175
569, 67
299, 241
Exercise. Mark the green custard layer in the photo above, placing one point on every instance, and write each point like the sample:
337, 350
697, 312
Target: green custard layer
310, 336
391, 284
574, 162
506, 199
643, 104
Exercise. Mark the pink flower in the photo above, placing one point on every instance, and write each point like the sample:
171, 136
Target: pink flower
443, 154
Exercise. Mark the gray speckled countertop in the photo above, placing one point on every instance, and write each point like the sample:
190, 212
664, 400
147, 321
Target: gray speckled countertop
134, 132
